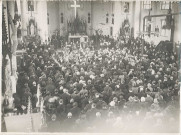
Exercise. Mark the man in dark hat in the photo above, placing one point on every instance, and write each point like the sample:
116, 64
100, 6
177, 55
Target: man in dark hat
107, 93
65, 96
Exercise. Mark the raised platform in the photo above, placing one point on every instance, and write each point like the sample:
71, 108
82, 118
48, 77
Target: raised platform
79, 38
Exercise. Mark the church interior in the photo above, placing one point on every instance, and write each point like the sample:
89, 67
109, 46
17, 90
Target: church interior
91, 66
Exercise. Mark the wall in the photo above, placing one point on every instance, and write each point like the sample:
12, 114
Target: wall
53, 11
4, 4
100, 9
177, 19
41, 18
120, 16
27, 15
156, 10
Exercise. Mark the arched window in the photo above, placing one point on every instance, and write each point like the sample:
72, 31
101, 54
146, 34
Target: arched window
111, 31
88, 17
61, 17
48, 18
107, 18
112, 18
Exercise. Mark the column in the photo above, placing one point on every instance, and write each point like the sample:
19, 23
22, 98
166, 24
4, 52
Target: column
117, 18
14, 42
42, 20
11, 11
137, 20
24, 17
4, 4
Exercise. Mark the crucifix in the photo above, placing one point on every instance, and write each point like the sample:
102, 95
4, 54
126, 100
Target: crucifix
75, 6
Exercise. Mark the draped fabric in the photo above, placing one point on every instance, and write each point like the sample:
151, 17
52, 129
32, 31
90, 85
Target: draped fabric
14, 64
8, 77
13, 84
10, 81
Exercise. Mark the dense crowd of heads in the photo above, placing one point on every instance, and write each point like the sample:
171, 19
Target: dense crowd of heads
110, 89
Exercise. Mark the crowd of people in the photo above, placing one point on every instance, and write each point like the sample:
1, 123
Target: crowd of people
105, 89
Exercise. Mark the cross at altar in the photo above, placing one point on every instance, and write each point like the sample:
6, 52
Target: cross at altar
75, 6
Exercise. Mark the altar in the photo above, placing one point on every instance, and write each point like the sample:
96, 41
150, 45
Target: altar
77, 27
79, 38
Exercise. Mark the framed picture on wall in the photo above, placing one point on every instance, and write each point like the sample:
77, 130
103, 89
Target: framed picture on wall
163, 27
125, 8
165, 32
31, 5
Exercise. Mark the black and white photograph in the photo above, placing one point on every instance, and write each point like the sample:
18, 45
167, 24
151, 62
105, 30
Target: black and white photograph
90, 66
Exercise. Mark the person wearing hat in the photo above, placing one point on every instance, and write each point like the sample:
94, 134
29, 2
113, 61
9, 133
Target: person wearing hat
76, 96
33, 88
89, 85
56, 93
171, 81
79, 86
75, 110
141, 92
65, 96
165, 81
61, 110
149, 99
53, 125
113, 106
107, 93
98, 100
155, 105
17, 103
68, 124
50, 86
91, 113
83, 91
84, 101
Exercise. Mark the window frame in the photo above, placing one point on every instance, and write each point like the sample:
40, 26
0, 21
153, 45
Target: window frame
145, 4
61, 18
165, 3
107, 18
48, 19
112, 19
89, 17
